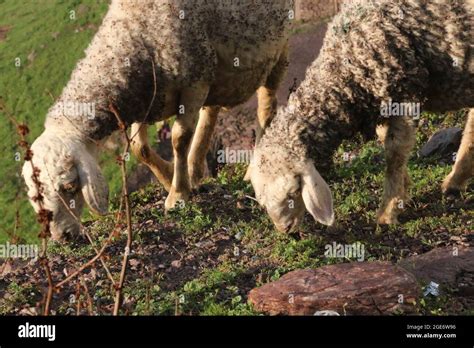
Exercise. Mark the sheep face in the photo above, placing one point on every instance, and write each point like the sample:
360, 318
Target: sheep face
286, 189
69, 176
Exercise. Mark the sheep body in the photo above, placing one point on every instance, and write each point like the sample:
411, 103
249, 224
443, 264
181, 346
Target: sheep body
358, 70
203, 45
373, 53
151, 60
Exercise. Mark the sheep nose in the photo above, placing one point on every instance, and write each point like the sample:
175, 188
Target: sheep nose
65, 234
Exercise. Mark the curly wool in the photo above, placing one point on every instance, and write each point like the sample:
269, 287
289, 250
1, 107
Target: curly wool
176, 43
405, 51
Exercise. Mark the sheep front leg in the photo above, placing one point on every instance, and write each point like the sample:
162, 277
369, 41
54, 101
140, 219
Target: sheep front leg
266, 94
191, 100
200, 144
267, 104
163, 170
463, 168
398, 142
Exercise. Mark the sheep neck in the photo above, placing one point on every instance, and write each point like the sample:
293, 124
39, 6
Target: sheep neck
322, 117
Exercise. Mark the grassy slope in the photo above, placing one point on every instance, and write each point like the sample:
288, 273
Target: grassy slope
27, 90
204, 258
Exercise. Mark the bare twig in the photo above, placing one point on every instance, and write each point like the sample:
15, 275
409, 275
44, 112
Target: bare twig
78, 298
121, 160
88, 297
44, 216
88, 263
151, 102
83, 230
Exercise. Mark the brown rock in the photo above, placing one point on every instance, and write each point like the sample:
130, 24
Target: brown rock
442, 265
357, 288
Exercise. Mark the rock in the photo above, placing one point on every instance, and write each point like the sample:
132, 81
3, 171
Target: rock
31, 57
356, 288
443, 143
176, 264
29, 311
5, 268
441, 265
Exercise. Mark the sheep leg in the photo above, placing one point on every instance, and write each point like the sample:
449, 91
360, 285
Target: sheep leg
463, 168
267, 100
162, 169
267, 103
266, 94
200, 145
190, 102
398, 142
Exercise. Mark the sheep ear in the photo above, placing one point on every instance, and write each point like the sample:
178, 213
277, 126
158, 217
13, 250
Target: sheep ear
93, 185
317, 195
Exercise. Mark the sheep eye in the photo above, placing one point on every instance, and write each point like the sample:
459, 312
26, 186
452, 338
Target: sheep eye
295, 193
70, 187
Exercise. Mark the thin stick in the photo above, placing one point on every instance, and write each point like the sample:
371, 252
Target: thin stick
123, 272
78, 298
44, 216
83, 230
151, 102
87, 264
89, 299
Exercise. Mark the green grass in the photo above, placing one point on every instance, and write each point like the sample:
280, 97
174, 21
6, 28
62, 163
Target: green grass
45, 28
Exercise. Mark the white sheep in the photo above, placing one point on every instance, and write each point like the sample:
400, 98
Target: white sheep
374, 54
153, 60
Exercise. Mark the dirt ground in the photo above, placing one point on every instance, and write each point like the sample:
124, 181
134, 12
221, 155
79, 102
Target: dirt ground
3, 32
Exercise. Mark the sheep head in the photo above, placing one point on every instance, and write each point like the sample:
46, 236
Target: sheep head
286, 187
69, 175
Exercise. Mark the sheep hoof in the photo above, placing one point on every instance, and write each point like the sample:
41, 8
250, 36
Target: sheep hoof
387, 219
452, 193
176, 200
449, 190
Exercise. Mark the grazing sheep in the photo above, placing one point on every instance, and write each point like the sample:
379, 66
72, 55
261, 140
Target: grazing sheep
375, 55
153, 60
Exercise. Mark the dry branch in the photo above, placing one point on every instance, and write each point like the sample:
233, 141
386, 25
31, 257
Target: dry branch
123, 167
44, 216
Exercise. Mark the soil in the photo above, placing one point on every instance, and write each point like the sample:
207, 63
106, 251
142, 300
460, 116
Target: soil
3, 32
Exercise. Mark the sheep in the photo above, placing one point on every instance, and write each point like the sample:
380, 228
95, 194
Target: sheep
374, 55
151, 60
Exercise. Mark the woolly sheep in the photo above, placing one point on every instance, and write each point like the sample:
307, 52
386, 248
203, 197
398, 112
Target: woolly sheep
207, 54
374, 54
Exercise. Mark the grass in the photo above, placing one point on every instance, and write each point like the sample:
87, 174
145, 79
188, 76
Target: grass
48, 44
204, 258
